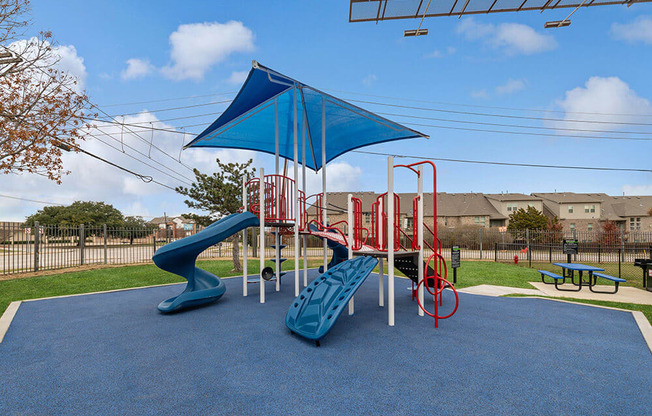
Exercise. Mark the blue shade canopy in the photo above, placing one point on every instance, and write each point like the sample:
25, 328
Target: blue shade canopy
250, 121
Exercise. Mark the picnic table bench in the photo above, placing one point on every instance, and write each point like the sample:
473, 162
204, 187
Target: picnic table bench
593, 272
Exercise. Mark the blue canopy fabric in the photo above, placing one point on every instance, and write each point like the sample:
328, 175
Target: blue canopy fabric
250, 120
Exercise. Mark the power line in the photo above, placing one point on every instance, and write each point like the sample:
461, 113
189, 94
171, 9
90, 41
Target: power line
169, 99
539, 110
576, 136
141, 161
471, 113
527, 165
60, 204
515, 125
161, 110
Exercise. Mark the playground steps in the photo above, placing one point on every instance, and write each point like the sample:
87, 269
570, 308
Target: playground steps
318, 306
409, 266
278, 246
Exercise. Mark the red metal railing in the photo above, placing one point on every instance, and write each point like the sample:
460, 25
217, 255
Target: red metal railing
358, 227
440, 284
379, 219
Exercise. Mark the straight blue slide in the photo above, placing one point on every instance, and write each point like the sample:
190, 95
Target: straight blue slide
314, 312
179, 258
340, 251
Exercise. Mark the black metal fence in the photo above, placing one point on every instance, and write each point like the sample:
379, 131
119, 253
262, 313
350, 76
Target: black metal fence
25, 249
29, 249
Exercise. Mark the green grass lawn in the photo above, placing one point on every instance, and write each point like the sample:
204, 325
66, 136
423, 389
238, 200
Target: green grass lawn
471, 273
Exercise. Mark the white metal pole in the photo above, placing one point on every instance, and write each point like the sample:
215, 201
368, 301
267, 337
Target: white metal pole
323, 177
305, 194
295, 197
261, 246
420, 231
277, 200
244, 240
350, 221
381, 284
390, 240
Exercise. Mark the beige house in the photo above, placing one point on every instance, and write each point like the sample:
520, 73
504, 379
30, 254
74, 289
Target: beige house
178, 226
507, 204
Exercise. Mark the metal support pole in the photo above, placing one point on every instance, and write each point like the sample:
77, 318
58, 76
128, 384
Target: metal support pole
82, 243
495, 252
323, 177
37, 244
261, 246
527, 238
305, 193
381, 283
295, 197
390, 240
105, 250
245, 248
420, 228
349, 208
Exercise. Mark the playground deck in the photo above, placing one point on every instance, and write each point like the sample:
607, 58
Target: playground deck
114, 353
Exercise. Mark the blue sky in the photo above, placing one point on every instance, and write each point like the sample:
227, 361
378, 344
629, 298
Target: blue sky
600, 64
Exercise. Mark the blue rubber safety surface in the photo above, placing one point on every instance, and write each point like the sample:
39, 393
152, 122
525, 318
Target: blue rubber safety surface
115, 354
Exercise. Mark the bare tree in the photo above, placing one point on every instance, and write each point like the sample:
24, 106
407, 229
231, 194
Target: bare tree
40, 105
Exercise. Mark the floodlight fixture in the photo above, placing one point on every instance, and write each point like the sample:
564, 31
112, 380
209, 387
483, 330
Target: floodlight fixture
415, 32
557, 23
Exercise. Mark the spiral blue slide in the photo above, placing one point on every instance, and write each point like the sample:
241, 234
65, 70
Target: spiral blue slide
179, 258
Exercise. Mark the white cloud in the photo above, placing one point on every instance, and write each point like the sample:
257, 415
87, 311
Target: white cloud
136, 68
237, 77
93, 180
639, 30
369, 80
197, 47
440, 54
63, 58
637, 189
511, 86
602, 95
511, 38
480, 94
340, 177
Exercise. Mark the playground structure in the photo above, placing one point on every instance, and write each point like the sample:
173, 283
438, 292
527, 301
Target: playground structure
280, 215
270, 102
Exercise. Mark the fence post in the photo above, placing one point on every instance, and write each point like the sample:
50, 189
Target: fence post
619, 254
527, 238
599, 253
496, 252
622, 246
82, 243
550, 253
37, 244
154, 242
480, 243
105, 250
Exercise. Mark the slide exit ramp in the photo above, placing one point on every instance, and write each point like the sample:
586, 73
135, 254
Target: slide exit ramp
314, 312
179, 257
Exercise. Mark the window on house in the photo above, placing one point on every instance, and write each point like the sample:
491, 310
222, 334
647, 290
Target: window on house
586, 208
572, 225
570, 209
589, 227
446, 221
367, 217
512, 207
530, 204
479, 221
592, 208
635, 224
410, 222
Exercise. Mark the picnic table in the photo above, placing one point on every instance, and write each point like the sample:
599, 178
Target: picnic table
568, 272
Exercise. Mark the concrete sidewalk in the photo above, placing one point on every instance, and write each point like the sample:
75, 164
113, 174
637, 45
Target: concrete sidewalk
625, 294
